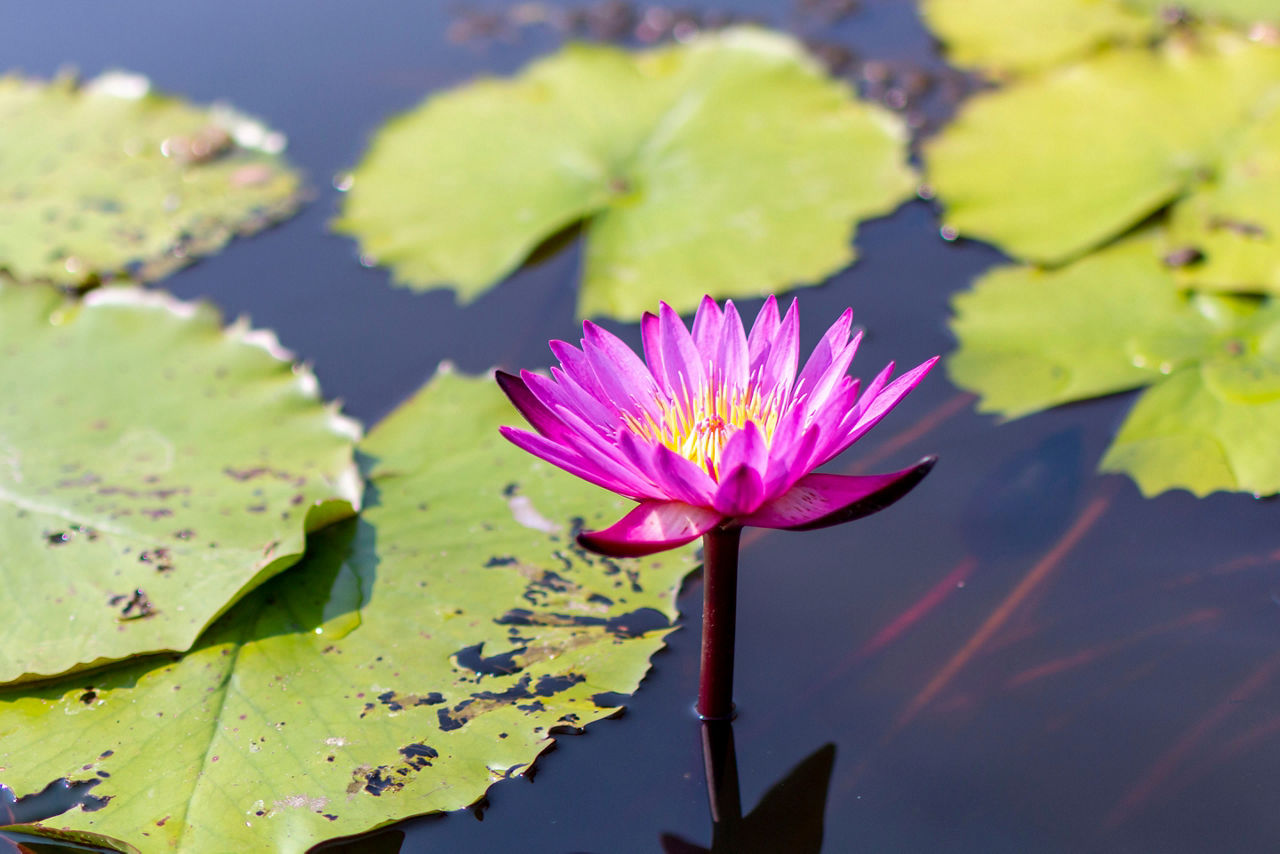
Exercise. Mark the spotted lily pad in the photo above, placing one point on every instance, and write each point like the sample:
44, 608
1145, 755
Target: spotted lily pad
731, 166
1116, 320
1227, 233
1059, 163
412, 659
154, 468
1237, 11
1013, 36
109, 177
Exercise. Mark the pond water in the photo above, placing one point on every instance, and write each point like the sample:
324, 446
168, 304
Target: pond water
1020, 656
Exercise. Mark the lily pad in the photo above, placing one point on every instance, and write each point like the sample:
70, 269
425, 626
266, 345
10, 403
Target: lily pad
1237, 11
1016, 36
109, 178
415, 656
154, 468
1057, 164
731, 166
1031, 339
1229, 228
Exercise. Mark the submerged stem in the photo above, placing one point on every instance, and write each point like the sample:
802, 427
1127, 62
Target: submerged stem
719, 606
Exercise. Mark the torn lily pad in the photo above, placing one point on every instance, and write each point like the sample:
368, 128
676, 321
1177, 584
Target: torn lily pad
416, 656
1059, 163
109, 178
1005, 37
1116, 320
731, 165
154, 468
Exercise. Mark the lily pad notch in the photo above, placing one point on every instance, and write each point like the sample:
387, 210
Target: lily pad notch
731, 165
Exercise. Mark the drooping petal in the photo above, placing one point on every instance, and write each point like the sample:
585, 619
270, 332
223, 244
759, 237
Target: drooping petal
731, 358
534, 411
706, 328
820, 500
652, 527
684, 368
621, 375
571, 462
763, 331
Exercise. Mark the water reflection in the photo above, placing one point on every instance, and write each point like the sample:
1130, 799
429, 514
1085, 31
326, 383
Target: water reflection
788, 818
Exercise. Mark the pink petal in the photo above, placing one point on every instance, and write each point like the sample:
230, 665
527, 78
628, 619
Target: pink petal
742, 465
741, 492
654, 526
878, 407
534, 411
575, 365
731, 358
791, 463
651, 340
675, 477
576, 397
683, 366
706, 328
819, 388
784, 355
747, 447
831, 344
762, 334
621, 375
687, 481
570, 461
820, 500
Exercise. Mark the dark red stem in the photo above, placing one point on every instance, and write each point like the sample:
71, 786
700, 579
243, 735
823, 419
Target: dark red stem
719, 606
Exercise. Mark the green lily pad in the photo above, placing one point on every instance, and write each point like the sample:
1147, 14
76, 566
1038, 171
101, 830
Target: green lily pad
731, 166
108, 178
1031, 339
415, 656
1057, 164
1237, 11
1015, 36
1231, 224
153, 469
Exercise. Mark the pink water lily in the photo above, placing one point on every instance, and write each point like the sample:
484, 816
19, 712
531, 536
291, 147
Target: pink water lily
717, 429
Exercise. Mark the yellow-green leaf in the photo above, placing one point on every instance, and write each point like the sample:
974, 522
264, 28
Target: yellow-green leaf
110, 178
731, 165
154, 468
412, 659
1057, 164
1014, 36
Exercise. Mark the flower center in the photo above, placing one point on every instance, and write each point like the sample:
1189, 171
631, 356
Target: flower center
698, 426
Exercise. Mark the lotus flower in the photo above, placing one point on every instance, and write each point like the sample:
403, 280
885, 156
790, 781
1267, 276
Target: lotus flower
717, 430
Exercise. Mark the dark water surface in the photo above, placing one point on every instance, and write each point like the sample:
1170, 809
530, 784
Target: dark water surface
1022, 656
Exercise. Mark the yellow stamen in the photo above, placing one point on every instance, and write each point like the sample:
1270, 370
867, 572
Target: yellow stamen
698, 426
